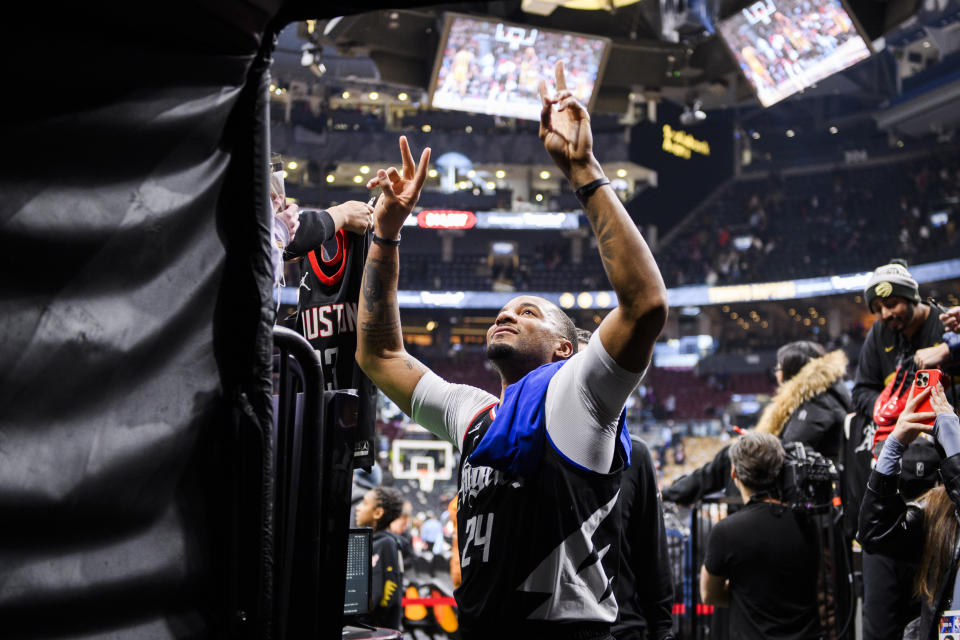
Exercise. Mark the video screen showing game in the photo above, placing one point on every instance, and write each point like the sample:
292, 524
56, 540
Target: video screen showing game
494, 67
785, 46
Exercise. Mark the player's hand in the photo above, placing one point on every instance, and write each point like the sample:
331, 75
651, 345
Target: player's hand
353, 216
565, 132
951, 319
931, 356
938, 400
910, 424
400, 191
290, 217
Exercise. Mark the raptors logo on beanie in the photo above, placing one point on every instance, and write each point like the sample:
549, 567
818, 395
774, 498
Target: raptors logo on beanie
891, 280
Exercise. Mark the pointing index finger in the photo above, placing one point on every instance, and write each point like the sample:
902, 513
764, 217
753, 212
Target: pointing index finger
561, 80
406, 157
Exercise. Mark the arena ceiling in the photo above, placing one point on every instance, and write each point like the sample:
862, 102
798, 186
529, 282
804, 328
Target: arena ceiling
396, 47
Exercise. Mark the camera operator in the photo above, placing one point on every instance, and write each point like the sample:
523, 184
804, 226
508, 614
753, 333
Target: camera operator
926, 531
762, 561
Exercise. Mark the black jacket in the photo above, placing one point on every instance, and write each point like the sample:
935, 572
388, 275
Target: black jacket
818, 422
891, 527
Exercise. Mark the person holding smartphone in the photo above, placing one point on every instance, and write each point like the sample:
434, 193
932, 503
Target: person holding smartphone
926, 532
905, 330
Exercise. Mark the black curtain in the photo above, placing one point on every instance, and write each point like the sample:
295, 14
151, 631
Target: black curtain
135, 316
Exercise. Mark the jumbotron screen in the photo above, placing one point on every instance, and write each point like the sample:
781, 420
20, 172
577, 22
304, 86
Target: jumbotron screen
785, 46
494, 67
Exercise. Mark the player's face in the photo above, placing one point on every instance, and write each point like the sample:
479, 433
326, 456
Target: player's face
896, 312
366, 510
523, 328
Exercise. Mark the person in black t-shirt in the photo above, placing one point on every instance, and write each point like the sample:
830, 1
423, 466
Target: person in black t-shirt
381, 506
763, 560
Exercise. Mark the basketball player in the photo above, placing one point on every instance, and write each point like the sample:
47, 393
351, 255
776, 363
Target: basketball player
540, 467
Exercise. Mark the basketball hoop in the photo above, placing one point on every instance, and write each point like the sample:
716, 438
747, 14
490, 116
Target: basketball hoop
418, 460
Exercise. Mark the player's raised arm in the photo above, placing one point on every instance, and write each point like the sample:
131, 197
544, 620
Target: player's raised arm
380, 350
629, 331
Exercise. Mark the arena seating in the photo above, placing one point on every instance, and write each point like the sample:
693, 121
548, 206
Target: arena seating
695, 397
807, 225
820, 224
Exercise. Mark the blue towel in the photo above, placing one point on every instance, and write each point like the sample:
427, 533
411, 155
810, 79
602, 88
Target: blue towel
514, 442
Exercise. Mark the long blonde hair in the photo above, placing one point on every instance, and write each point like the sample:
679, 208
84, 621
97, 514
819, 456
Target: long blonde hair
939, 538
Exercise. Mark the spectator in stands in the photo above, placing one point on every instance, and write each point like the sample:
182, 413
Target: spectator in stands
763, 560
380, 507
554, 437
670, 406
432, 533
644, 588
666, 441
904, 326
920, 533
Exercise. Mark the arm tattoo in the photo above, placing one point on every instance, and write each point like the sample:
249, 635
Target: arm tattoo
413, 365
379, 324
372, 290
380, 335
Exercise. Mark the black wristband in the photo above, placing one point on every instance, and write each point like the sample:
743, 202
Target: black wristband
386, 241
584, 192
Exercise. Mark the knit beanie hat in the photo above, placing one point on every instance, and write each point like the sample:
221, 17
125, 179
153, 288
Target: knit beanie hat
891, 280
